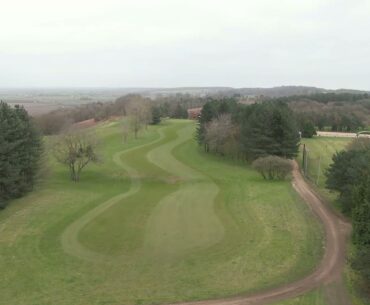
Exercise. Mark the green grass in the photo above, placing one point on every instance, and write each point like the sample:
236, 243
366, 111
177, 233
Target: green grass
326, 147
158, 221
315, 297
320, 153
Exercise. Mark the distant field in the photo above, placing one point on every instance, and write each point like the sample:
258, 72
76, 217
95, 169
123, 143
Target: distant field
38, 102
320, 153
159, 221
37, 108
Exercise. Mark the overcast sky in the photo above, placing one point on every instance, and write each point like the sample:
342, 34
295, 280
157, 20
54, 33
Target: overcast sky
168, 43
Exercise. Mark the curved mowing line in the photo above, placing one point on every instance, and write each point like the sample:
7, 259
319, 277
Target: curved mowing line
185, 219
169, 163
70, 242
328, 271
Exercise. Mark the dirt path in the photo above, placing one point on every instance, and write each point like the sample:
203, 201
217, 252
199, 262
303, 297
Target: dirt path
329, 271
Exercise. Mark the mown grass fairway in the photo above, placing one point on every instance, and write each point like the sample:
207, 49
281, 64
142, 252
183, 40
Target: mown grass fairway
160, 221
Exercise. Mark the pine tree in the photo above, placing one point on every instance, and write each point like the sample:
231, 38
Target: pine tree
269, 129
20, 152
156, 115
361, 229
349, 169
212, 110
361, 212
308, 129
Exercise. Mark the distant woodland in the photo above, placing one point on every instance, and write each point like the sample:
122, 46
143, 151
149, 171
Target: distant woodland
325, 111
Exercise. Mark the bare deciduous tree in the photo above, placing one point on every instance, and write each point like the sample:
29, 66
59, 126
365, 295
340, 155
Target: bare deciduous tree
221, 135
139, 115
76, 149
125, 129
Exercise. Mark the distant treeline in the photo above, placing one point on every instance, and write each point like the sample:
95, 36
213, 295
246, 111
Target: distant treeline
174, 107
57, 120
335, 120
324, 97
333, 111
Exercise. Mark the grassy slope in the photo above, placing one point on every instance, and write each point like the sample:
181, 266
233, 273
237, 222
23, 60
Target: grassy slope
199, 227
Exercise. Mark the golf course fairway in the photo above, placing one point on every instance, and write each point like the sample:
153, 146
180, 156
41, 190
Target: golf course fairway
159, 221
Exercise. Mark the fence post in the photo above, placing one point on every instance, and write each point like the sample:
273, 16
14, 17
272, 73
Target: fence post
318, 171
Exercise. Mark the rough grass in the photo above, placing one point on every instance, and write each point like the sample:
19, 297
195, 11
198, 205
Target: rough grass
320, 153
196, 226
315, 297
326, 147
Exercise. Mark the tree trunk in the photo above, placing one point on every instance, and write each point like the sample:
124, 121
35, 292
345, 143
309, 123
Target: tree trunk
74, 176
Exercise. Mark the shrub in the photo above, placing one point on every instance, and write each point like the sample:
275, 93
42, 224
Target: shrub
273, 167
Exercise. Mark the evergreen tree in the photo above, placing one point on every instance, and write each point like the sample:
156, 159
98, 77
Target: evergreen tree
206, 116
264, 129
269, 129
361, 229
156, 115
308, 129
361, 212
349, 169
20, 152
212, 110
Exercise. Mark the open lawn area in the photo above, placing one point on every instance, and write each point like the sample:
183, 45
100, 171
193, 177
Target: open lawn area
320, 153
159, 221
